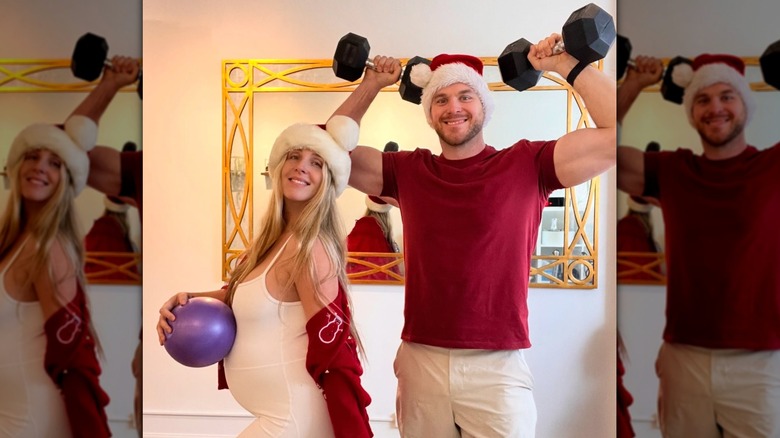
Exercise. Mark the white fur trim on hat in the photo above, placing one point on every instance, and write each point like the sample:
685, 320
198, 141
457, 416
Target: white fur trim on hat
71, 145
332, 143
115, 206
377, 207
714, 73
454, 73
638, 207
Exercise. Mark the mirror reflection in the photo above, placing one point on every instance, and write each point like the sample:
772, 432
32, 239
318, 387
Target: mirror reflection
45, 91
640, 129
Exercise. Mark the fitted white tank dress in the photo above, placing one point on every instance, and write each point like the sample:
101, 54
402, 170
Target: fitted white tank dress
30, 402
266, 368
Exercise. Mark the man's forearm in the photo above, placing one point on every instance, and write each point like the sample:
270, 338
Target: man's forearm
358, 102
626, 95
96, 102
598, 92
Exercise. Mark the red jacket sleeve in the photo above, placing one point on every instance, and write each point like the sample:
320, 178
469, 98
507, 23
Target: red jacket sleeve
333, 363
72, 364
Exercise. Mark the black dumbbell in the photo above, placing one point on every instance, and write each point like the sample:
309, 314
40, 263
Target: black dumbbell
623, 55
669, 90
351, 59
90, 56
587, 36
770, 64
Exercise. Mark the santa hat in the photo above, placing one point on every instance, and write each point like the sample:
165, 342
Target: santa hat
70, 142
708, 69
332, 142
639, 205
115, 204
375, 203
446, 70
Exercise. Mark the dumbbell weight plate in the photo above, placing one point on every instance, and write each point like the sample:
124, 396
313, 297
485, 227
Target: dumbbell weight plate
516, 70
350, 58
770, 65
89, 57
623, 55
588, 33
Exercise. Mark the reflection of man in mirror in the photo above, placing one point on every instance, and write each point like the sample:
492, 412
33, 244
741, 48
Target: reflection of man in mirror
719, 365
471, 216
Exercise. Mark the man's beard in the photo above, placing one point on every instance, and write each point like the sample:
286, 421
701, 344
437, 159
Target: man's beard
739, 127
470, 134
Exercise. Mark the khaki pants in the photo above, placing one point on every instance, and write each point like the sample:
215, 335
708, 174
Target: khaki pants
461, 392
718, 393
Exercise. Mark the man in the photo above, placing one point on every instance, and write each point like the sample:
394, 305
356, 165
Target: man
719, 365
471, 218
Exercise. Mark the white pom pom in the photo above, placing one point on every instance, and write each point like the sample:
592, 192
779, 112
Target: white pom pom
344, 131
420, 74
682, 75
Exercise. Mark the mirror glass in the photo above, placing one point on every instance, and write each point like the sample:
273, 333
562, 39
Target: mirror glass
45, 91
262, 97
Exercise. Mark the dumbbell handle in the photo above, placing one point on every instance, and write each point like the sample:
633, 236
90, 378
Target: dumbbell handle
559, 48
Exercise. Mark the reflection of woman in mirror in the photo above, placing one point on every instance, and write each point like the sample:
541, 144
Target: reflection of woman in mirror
288, 286
373, 233
634, 233
110, 233
48, 368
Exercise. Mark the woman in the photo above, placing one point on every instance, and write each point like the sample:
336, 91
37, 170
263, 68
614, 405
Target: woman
295, 342
48, 366
373, 233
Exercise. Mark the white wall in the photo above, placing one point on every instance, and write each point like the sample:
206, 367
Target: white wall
39, 29
665, 29
573, 357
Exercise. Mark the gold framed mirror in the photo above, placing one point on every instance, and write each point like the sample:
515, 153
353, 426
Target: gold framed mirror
259, 96
44, 88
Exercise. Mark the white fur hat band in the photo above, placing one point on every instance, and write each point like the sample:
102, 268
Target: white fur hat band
640, 207
333, 144
71, 143
115, 205
375, 203
446, 70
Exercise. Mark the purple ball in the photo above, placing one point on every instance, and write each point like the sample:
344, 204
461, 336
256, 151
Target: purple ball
203, 332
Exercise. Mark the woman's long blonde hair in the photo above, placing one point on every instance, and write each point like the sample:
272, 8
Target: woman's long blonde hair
57, 221
385, 225
319, 220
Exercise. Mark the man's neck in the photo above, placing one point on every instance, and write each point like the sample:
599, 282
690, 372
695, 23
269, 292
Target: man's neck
464, 151
724, 152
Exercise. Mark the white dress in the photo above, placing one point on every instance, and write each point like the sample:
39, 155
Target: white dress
30, 403
266, 368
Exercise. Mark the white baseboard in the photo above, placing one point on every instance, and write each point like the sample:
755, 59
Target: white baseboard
227, 425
